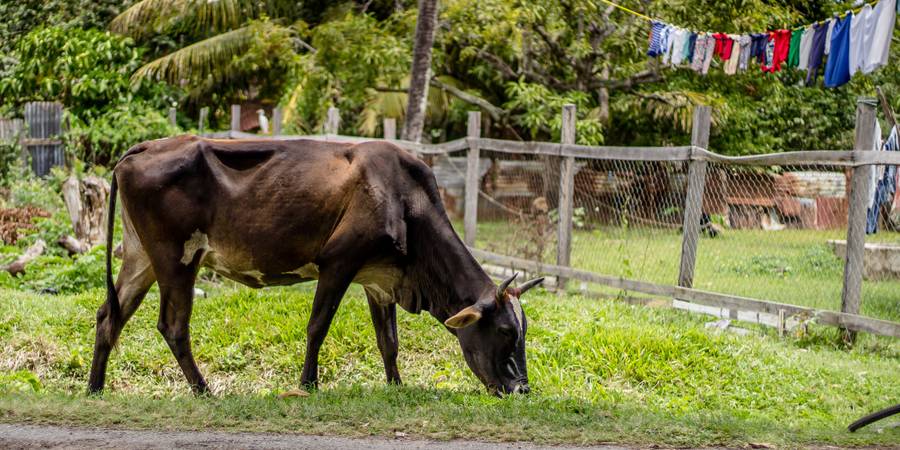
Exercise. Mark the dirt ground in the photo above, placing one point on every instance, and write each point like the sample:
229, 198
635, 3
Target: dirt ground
14, 436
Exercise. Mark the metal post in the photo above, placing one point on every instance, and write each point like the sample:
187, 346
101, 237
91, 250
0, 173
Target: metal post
473, 183
173, 114
856, 220
333, 121
390, 128
201, 123
566, 193
235, 117
693, 199
277, 118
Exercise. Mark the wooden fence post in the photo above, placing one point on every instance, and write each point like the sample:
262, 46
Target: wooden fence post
201, 123
693, 198
856, 217
173, 115
473, 182
235, 117
390, 128
333, 121
566, 193
277, 118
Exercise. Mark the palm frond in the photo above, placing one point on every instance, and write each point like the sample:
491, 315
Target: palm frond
199, 61
151, 16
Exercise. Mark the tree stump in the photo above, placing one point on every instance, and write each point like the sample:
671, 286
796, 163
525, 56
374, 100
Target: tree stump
86, 201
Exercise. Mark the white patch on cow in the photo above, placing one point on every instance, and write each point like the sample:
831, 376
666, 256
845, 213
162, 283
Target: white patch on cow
517, 309
255, 274
308, 271
198, 241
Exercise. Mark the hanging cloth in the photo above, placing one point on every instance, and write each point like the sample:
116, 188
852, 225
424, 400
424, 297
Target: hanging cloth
731, 65
837, 68
744, 52
777, 50
859, 28
656, 38
830, 32
816, 52
805, 47
884, 17
885, 186
793, 59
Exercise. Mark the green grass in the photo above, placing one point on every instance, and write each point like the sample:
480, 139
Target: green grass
601, 371
788, 266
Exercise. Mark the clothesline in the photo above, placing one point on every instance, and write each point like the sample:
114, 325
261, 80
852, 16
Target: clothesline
650, 19
855, 42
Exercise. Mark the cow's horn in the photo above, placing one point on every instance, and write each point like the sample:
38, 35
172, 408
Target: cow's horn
506, 284
530, 284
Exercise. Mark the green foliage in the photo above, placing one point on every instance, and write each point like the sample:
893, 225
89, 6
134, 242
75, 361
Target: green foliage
64, 275
109, 134
19, 381
21, 16
10, 160
354, 56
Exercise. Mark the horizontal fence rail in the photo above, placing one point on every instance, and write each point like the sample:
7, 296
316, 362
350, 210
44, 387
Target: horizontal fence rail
844, 158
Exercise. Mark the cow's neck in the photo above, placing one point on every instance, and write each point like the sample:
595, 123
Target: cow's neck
448, 278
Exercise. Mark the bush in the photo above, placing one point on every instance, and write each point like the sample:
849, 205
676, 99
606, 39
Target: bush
105, 138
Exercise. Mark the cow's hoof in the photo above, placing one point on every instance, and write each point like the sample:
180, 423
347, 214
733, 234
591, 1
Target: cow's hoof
293, 393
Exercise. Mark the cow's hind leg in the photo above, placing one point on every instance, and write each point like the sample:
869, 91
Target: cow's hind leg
384, 318
135, 278
176, 289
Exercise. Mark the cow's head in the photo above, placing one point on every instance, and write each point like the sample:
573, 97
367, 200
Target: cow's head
492, 335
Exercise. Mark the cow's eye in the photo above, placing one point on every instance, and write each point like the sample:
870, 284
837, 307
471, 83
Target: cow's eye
507, 331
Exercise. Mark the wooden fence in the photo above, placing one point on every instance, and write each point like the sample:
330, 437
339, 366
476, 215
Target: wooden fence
859, 161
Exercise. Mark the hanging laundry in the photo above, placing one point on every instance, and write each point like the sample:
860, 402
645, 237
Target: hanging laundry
744, 52
675, 53
858, 48
837, 68
708, 57
656, 38
777, 50
732, 64
816, 52
886, 182
805, 47
884, 16
793, 59
830, 32
700, 46
758, 47
689, 48
723, 46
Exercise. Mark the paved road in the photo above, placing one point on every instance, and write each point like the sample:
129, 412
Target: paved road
53, 437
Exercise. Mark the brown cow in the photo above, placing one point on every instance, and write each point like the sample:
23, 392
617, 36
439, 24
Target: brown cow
269, 212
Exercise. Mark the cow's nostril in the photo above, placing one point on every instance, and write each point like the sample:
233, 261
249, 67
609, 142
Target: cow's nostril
521, 389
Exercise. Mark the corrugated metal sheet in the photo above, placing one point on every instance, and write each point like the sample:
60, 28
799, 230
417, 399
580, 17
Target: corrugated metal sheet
44, 121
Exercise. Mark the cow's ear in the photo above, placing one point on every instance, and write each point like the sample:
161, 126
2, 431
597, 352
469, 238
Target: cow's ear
464, 318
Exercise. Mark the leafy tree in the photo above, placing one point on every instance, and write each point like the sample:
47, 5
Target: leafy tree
88, 71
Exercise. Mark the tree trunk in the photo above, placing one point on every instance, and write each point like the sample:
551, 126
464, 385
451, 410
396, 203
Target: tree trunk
421, 70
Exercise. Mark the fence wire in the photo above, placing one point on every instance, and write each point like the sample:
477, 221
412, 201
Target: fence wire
767, 232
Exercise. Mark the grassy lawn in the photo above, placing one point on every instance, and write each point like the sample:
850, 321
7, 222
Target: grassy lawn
788, 266
601, 371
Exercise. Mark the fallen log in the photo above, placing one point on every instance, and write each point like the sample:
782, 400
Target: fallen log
18, 266
73, 245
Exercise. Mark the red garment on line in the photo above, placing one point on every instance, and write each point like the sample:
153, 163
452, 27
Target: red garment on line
781, 40
724, 46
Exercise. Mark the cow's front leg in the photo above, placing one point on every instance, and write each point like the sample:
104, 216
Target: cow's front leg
384, 318
332, 285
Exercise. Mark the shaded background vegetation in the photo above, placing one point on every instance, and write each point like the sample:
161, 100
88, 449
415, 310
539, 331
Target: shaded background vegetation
118, 65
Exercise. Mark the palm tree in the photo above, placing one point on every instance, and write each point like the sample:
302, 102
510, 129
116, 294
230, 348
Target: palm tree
223, 31
420, 75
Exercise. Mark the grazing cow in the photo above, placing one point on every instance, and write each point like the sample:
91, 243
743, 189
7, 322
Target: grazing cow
267, 213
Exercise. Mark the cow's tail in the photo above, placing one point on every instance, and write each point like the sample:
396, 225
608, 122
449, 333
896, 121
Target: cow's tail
112, 298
